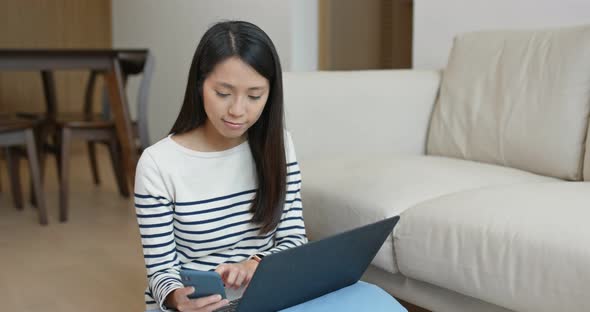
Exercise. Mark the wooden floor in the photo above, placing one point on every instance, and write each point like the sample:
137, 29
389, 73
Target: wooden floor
91, 263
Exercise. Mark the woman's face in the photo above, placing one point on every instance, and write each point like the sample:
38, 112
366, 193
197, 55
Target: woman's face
234, 95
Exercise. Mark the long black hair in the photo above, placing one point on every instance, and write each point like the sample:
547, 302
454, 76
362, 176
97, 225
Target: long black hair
253, 46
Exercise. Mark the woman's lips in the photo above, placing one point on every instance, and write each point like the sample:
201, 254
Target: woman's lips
233, 125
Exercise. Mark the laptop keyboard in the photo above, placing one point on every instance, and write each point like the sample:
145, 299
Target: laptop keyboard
231, 307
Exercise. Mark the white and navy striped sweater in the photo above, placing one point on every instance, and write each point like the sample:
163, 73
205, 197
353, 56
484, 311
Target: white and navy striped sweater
193, 212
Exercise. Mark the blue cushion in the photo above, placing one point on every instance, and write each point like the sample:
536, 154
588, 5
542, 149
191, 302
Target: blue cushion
357, 297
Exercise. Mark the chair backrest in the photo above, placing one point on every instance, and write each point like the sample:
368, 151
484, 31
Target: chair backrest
143, 100
517, 98
131, 64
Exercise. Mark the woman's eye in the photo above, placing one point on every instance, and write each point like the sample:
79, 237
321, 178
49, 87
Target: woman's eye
252, 97
221, 94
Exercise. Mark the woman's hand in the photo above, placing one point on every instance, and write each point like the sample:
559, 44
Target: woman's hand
179, 300
238, 274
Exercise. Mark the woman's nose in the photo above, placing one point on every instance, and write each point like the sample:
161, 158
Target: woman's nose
238, 107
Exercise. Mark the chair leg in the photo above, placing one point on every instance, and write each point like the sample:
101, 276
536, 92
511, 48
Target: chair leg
40, 145
0, 185
93, 162
12, 160
115, 153
58, 149
35, 168
32, 198
66, 138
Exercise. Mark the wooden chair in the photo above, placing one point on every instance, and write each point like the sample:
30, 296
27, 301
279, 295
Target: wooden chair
15, 133
96, 128
101, 129
131, 65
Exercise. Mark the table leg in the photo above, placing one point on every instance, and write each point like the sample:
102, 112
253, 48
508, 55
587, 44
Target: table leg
120, 113
48, 128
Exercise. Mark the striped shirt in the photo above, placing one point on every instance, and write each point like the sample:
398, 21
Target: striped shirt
193, 212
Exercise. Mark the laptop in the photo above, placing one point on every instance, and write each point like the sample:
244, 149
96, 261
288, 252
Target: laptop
306, 272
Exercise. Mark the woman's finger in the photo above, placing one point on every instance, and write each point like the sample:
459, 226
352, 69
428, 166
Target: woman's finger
222, 269
240, 278
204, 302
231, 277
215, 306
248, 278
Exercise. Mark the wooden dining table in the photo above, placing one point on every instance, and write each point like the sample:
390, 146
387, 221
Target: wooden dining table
47, 61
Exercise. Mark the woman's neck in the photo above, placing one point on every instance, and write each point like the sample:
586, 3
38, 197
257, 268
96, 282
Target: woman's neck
207, 139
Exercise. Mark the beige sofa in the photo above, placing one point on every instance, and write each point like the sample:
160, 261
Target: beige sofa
484, 161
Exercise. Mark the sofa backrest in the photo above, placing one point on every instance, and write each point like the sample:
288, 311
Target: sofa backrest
516, 98
359, 113
587, 158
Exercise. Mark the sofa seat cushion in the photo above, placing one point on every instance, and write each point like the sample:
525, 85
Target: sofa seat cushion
340, 194
523, 247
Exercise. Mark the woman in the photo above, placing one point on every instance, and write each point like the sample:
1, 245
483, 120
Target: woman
223, 189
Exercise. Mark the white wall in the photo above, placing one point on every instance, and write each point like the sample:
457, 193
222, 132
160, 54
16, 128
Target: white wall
436, 22
305, 34
171, 29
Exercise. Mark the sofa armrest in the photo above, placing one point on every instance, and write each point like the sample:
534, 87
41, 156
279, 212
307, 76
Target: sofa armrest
359, 113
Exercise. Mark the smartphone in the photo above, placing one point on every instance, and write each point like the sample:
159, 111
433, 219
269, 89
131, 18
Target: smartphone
206, 283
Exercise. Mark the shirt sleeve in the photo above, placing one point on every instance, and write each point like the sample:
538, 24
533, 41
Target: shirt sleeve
155, 213
291, 229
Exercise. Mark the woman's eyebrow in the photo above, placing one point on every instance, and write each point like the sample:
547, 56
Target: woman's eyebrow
225, 85
257, 88
229, 86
